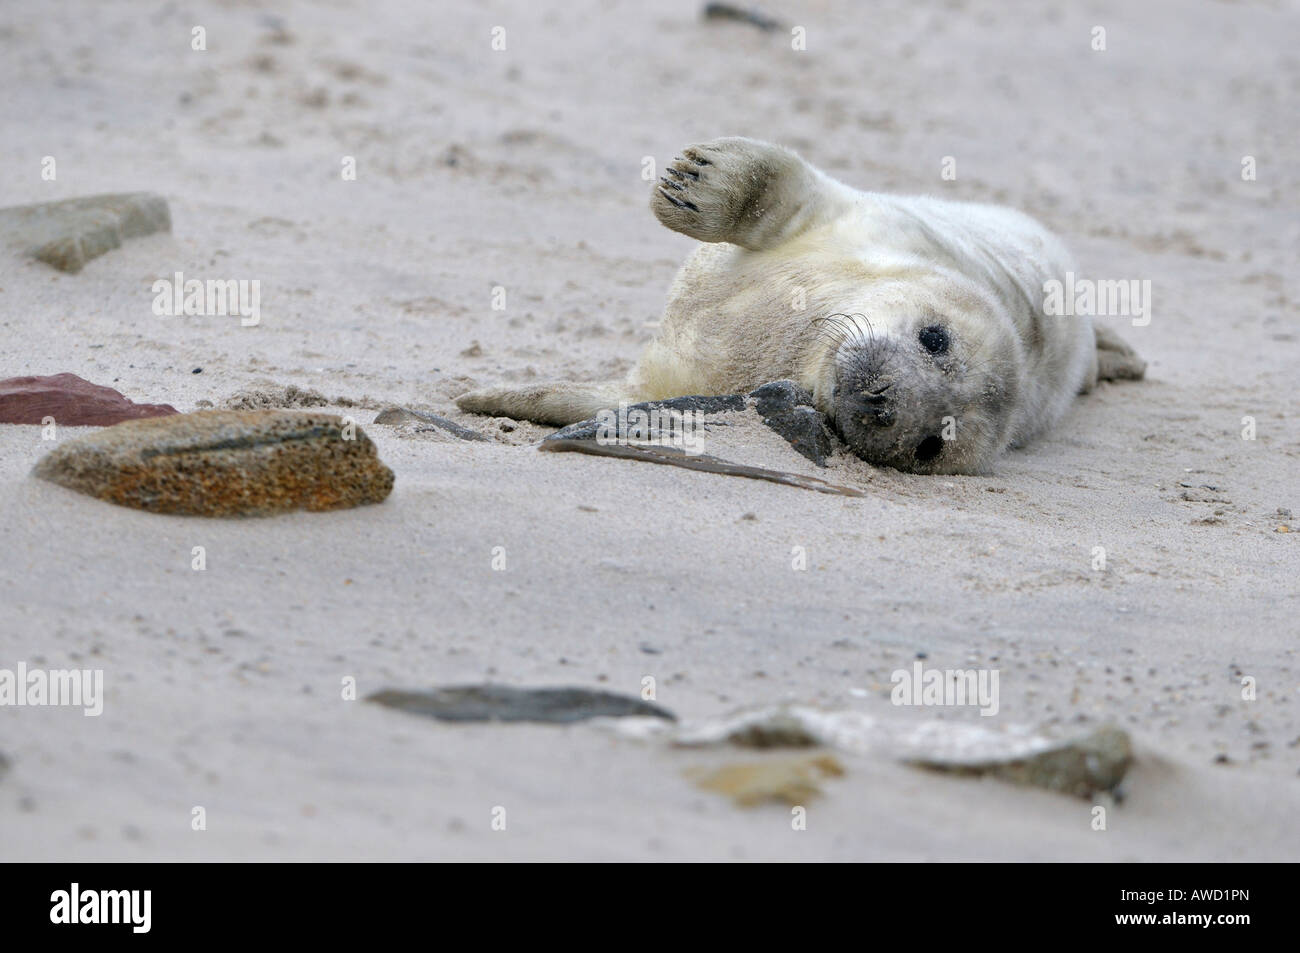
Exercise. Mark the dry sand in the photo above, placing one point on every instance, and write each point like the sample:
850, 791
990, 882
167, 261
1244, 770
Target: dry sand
522, 169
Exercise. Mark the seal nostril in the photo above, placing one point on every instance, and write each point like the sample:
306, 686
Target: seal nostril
929, 448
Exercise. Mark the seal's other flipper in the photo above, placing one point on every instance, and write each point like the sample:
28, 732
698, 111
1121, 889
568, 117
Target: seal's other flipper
558, 403
1116, 360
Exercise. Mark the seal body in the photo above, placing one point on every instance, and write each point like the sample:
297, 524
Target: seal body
916, 323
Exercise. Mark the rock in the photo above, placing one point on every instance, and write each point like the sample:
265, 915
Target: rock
225, 463
71, 401
1082, 766
507, 703
394, 415
399, 415
443, 425
779, 727
790, 780
70, 233
726, 11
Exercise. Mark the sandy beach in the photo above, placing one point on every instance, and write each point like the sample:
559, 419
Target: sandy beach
497, 231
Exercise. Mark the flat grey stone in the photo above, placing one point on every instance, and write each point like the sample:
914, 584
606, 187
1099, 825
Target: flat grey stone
1080, 766
507, 703
70, 233
398, 415
727, 11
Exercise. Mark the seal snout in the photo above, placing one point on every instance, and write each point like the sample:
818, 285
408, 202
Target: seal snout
891, 400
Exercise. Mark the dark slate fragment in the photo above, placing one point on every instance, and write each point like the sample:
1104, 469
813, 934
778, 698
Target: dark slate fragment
727, 11
397, 415
507, 703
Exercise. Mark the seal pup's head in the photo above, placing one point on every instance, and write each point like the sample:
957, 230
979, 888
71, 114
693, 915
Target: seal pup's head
921, 390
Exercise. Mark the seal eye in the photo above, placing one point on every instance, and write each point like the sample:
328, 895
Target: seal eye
934, 339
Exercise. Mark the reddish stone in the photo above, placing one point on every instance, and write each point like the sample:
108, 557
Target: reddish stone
71, 401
